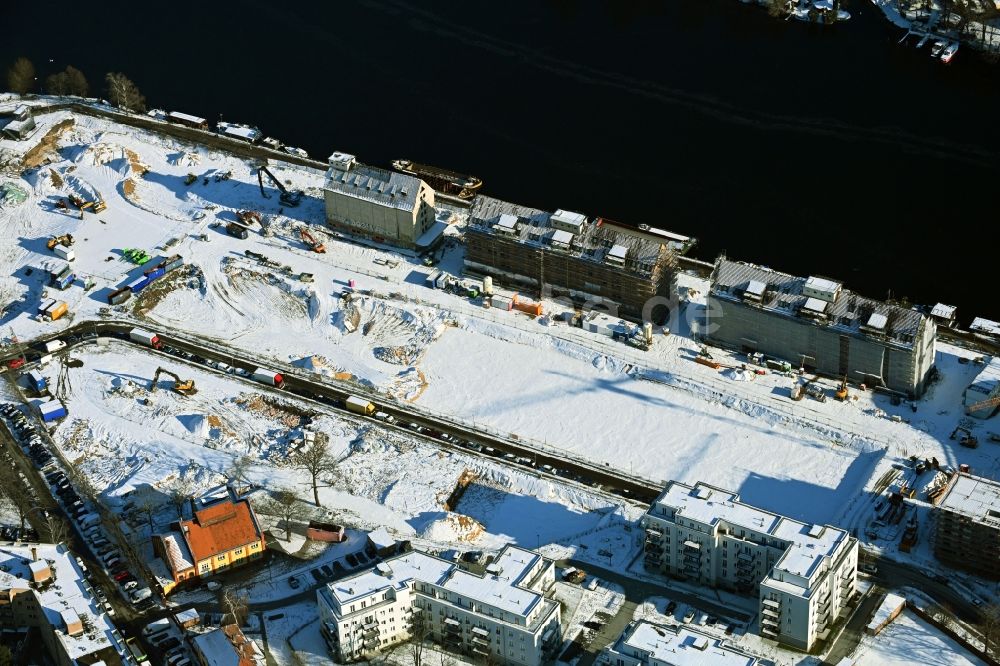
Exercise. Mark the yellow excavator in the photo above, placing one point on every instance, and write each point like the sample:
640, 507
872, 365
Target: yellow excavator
182, 386
65, 240
842, 393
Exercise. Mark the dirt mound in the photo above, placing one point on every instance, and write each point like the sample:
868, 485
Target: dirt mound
45, 151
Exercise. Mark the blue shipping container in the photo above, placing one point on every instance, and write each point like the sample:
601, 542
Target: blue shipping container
54, 414
66, 281
154, 274
138, 285
37, 381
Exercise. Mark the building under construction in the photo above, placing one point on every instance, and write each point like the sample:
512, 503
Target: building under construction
596, 263
816, 324
967, 526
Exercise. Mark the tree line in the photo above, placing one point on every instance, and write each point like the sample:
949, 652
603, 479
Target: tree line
122, 92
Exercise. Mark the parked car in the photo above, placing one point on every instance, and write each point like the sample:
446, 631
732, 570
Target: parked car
688, 616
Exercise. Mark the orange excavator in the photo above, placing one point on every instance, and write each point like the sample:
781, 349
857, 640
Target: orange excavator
311, 242
842, 394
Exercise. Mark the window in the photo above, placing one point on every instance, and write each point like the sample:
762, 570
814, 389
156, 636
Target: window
238, 551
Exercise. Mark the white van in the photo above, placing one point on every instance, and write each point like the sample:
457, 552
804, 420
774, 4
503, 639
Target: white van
157, 626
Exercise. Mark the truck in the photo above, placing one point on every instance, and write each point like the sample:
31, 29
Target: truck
64, 252
156, 627
359, 406
50, 410
441, 281
65, 281
37, 381
54, 345
271, 377
431, 280
57, 311
119, 296
145, 337
46, 305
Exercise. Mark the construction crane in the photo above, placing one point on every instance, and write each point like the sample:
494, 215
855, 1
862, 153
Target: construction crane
287, 197
182, 386
65, 240
983, 404
311, 242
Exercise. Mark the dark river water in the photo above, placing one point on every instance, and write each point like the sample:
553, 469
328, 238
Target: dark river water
816, 151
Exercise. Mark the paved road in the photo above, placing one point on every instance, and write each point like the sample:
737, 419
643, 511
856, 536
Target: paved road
848, 640
637, 591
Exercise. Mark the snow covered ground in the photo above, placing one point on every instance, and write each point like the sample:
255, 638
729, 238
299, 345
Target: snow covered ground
910, 640
655, 414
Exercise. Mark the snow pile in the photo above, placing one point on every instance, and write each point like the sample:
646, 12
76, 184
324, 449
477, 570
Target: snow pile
196, 424
101, 153
184, 159
452, 528
740, 375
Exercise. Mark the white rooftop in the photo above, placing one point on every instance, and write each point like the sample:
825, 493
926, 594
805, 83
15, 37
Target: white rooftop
240, 131
943, 311
877, 321
569, 218
756, 288
988, 378
889, 606
681, 646
216, 648
185, 116
381, 538
985, 326
177, 550
814, 305
618, 252
67, 595
974, 496
507, 222
500, 590
708, 505
561, 237
822, 284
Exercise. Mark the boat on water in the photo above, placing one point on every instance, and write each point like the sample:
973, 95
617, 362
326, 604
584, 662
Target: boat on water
441, 180
949, 52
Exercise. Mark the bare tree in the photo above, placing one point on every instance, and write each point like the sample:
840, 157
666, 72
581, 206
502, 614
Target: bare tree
234, 601
419, 631
123, 93
57, 84
239, 469
285, 504
76, 81
318, 460
58, 529
21, 76
180, 492
147, 506
15, 498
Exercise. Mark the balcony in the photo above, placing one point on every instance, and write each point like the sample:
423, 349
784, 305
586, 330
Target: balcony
652, 532
452, 625
768, 630
653, 546
770, 603
692, 546
481, 651
769, 612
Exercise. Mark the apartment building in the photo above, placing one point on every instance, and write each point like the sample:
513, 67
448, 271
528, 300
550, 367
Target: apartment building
804, 575
646, 644
500, 614
816, 323
386, 206
220, 536
43, 588
594, 262
967, 526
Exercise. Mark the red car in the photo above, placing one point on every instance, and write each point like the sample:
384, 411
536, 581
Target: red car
122, 575
15, 363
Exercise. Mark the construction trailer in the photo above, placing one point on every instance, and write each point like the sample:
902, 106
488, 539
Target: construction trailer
51, 410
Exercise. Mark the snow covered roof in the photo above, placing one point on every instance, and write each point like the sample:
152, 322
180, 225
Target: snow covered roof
216, 649
178, 554
943, 311
988, 378
987, 326
592, 241
679, 646
67, 595
889, 606
501, 587
186, 116
381, 538
974, 496
805, 545
560, 237
814, 305
390, 189
243, 132
788, 294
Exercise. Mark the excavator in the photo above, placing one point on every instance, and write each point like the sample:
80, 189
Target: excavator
287, 197
311, 242
65, 240
93, 206
842, 393
182, 386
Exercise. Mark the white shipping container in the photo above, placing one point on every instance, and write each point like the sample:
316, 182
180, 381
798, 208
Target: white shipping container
145, 337
501, 302
64, 252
